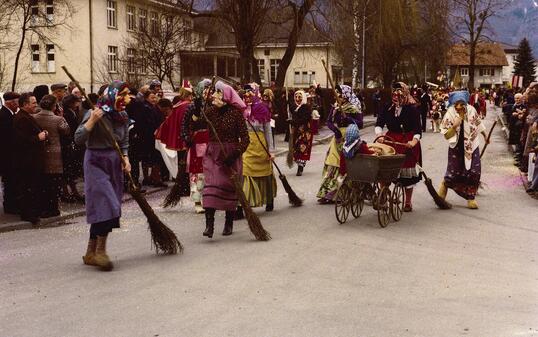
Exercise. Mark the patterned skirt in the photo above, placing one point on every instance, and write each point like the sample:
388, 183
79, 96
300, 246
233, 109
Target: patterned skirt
302, 146
464, 182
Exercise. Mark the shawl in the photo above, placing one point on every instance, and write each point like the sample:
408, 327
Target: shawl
108, 102
349, 95
352, 138
169, 133
472, 127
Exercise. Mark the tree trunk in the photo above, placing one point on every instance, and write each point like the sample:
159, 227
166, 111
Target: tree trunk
255, 70
472, 59
17, 58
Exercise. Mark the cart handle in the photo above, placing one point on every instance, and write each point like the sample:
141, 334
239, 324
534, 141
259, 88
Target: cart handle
388, 140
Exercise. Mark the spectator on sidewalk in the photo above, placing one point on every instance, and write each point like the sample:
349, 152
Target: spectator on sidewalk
516, 122
7, 114
39, 92
56, 127
28, 144
72, 154
59, 91
531, 124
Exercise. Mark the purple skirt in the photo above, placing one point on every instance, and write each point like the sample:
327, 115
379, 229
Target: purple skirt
464, 182
103, 185
219, 191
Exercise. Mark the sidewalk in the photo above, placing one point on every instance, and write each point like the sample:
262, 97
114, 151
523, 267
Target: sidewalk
9, 222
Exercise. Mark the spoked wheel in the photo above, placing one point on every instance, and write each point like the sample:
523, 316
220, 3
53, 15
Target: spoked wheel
397, 202
383, 206
342, 203
357, 197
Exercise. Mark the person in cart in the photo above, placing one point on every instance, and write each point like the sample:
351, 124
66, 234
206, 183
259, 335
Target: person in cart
402, 119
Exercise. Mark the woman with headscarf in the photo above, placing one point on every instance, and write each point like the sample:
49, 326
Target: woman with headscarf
461, 126
402, 120
103, 176
339, 119
196, 135
301, 118
226, 116
259, 183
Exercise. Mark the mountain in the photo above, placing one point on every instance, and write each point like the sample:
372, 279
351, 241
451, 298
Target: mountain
518, 19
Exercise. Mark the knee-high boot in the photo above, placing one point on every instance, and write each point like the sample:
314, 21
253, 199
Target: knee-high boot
209, 222
101, 258
229, 223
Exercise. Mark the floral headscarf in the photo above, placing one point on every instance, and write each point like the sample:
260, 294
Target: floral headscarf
113, 101
352, 138
349, 95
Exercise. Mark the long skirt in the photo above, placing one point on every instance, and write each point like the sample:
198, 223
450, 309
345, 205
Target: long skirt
464, 182
259, 182
333, 171
103, 185
408, 174
219, 190
302, 146
197, 152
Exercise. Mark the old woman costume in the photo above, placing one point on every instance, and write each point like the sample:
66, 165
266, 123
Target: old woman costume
103, 176
461, 127
302, 132
340, 118
226, 116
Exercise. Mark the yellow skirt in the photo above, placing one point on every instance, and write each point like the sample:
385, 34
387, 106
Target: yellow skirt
333, 154
259, 183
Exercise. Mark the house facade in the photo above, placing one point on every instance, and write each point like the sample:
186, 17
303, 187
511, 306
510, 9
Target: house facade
489, 65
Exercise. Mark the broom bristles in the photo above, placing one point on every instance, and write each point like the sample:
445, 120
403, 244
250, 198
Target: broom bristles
163, 238
179, 189
253, 221
292, 196
440, 202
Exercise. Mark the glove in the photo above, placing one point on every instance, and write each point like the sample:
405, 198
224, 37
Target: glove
231, 158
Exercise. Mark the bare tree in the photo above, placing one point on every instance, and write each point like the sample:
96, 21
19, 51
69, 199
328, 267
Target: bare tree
471, 22
34, 19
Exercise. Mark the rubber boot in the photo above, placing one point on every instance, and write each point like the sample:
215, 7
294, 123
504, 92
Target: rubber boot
239, 215
299, 170
442, 191
101, 258
89, 258
228, 224
408, 206
209, 222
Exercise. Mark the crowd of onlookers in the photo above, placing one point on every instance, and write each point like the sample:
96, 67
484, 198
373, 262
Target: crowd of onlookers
520, 109
40, 163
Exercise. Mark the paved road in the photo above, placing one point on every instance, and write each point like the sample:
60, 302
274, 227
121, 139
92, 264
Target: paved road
435, 273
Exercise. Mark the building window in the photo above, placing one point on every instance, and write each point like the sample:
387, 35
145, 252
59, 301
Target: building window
487, 72
112, 59
142, 19
142, 63
131, 19
464, 71
153, 22
49, 9
111, 14
51, 63
273, 69
35, 58
304, 77
34, 12
131, 65
261, 69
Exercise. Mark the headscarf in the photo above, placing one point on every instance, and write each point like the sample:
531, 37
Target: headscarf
349, 95
456, 96
269, 93
405, 98
108, 102
259, 111
352, 138
230, 96
303, 95
200, 87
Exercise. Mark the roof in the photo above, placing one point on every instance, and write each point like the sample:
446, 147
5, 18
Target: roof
487, 54
273, 33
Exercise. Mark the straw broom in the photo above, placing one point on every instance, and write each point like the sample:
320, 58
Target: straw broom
253, 221
292, 196
179, 188
163, 238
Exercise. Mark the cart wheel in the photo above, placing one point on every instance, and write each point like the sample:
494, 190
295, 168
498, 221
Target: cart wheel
342, 203
397, 202
383, 207
357, 203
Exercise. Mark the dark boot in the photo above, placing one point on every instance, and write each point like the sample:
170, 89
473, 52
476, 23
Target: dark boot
228, 224
269, 207
209, 222
239, 213
299, 170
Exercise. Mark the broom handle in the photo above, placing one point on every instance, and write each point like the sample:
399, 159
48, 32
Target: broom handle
265, 148
338, 101
487, 139
108, 132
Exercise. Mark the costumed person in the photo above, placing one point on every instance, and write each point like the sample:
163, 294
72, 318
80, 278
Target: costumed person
339, 119
479, 103
267, 99
259, 182
226, 116
301, 118
168, 138
103, 176
461, 127
196, 136
402, 119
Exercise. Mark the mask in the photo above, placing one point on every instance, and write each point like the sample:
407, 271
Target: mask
217, 99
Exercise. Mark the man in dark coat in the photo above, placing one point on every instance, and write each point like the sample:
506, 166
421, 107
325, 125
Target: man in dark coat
28, 162
7, 113
425, 106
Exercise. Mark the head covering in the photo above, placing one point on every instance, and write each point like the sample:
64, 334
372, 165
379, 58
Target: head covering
230, 96
40, 91
352, 138
58, 86
456, 96
269, 93
200, 87
8, 96
304, 101
154, 83
349, 95
405, 98
107, 102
